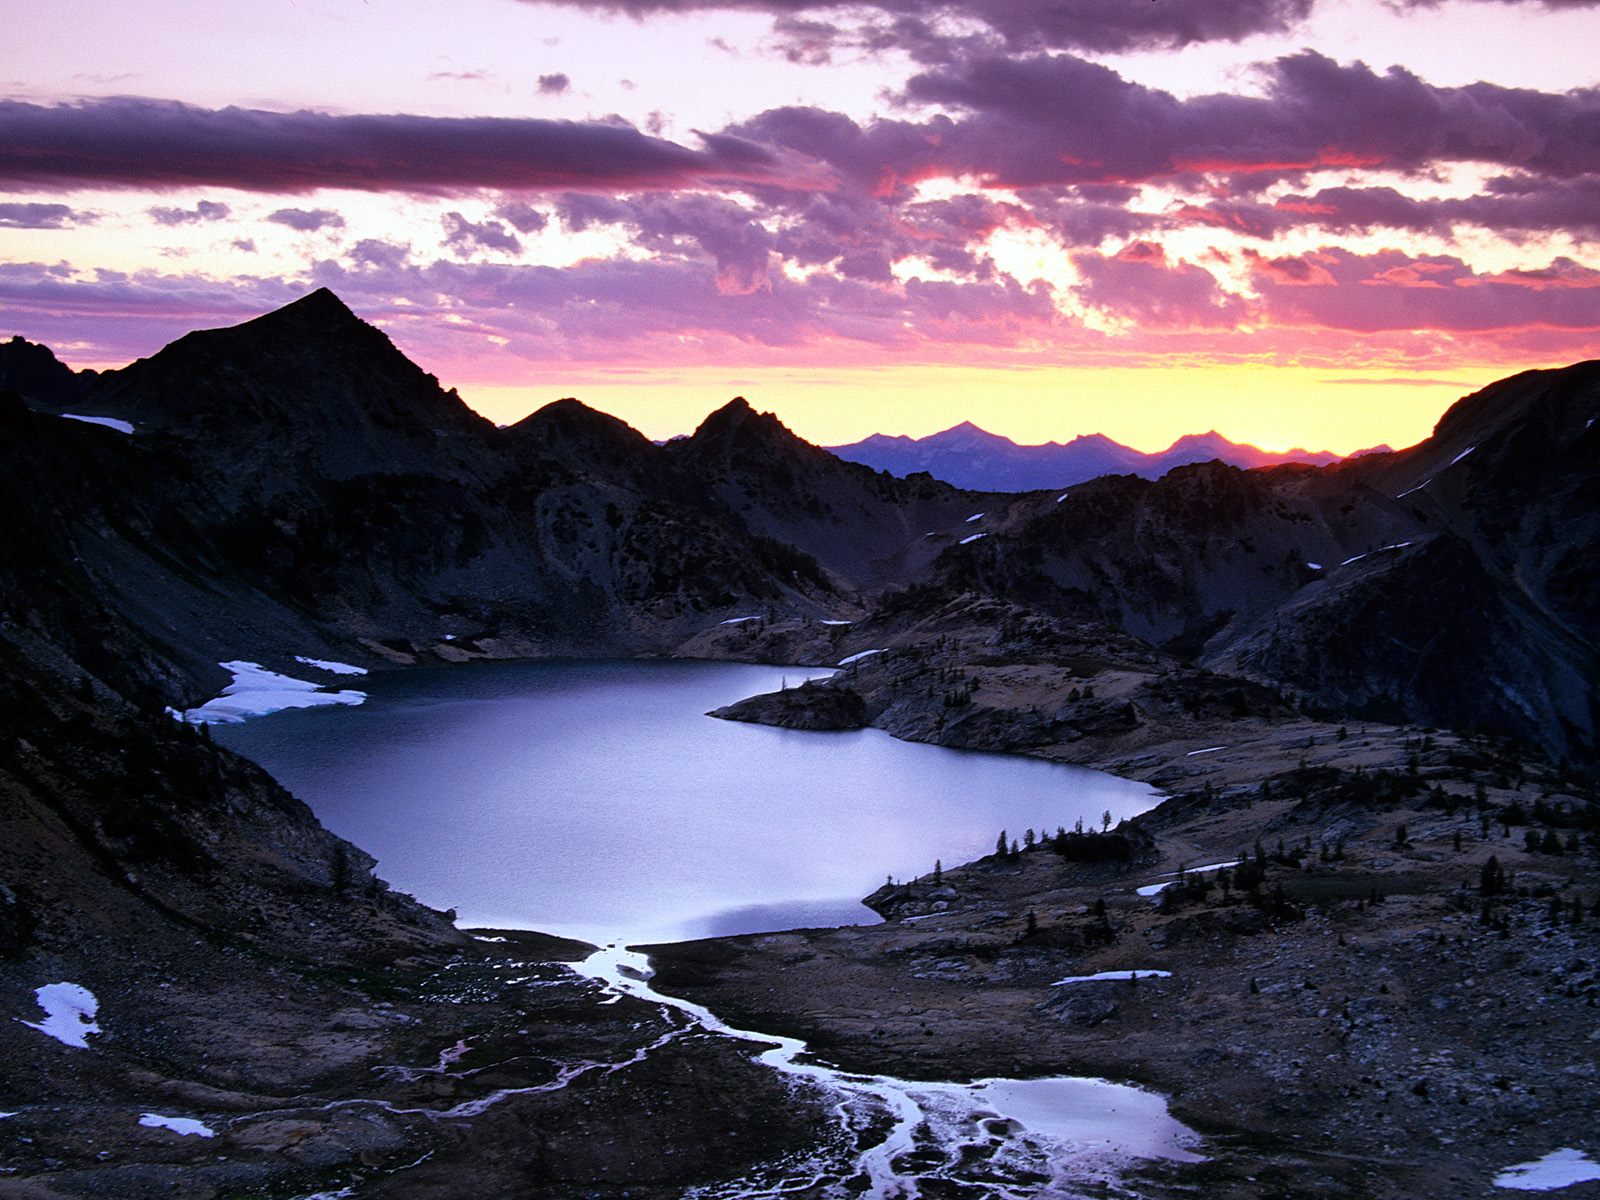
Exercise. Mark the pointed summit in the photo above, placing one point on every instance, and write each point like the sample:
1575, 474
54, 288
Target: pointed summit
310, 380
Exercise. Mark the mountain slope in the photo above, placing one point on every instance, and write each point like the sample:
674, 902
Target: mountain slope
1454, 583
867, 527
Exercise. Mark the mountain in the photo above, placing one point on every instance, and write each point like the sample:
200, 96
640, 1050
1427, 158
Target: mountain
970, 457
1453, 583
866, 527
34, 372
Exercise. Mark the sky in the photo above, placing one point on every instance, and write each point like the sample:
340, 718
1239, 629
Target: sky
1300, 222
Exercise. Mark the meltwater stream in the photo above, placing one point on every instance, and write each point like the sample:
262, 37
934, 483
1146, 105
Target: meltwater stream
1018, 1139
595, 799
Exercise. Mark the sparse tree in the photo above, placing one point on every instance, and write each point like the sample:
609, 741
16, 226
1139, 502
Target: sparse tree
1001, 846
1105, 821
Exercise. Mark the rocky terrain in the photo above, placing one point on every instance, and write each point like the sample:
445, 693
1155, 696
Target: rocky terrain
1365, 679
1365, 1008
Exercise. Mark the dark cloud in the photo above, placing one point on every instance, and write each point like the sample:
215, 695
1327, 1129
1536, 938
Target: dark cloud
42, 216
206, 210
695, 225
307, 220
1391, 290
554, 85
813, 30
1507, 205
159, 144
467, 237
1056, 119
522, 217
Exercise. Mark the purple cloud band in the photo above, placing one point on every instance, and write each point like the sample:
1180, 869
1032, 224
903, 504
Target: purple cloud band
143, 143
813, 28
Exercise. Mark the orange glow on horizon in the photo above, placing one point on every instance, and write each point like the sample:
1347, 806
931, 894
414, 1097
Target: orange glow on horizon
1276, 408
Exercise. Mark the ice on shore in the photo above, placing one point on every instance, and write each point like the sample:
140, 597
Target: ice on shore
855, 658
331, 667
1558, 1169
105, 422
182, 1126
973, 537
1105, 976
256, 691
69, 1010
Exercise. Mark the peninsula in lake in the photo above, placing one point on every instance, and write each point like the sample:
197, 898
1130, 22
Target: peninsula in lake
1349, 952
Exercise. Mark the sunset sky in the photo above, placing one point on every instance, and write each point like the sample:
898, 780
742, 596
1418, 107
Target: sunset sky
1301, 222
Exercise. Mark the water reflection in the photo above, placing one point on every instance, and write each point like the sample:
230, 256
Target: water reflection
596, 799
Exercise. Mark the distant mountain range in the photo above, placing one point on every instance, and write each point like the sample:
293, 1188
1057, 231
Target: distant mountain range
970, 457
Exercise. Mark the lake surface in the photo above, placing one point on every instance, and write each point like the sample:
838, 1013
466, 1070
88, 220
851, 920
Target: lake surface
595, 799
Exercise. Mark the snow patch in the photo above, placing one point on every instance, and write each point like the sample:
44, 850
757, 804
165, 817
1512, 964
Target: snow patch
1462, 455
854, 658
738, 620
1207, 750
1062, 497
973, 537
838, 622
1379, 550
1103, 976
256, 691
1314, 566
182, 1126
1155, 889
331, 667
1558, 1169
105, 422
972, 518
1418, 488
4, 1115
69, 1010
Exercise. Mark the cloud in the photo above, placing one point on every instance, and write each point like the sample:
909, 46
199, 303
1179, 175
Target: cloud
1140, 285
1055, 119
522, 217
307, 220
554, 85
1393, 291
42, 216
467, 237
206, 210
811, 30
157, 144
